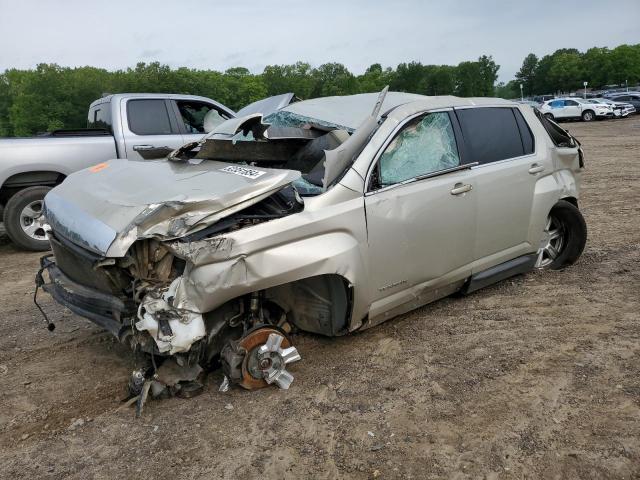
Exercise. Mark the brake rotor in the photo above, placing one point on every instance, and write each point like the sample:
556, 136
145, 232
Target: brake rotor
268, 353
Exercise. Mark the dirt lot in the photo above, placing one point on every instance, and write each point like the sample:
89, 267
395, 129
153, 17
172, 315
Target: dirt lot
537, 377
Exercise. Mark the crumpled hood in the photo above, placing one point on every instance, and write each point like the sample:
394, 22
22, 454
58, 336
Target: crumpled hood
107, 207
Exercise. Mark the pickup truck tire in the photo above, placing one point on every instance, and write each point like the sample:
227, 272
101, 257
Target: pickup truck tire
21, 222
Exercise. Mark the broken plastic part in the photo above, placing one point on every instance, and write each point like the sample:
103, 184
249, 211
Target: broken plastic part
184, 327
224, 386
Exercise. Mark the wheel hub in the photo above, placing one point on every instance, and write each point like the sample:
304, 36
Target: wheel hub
265, 363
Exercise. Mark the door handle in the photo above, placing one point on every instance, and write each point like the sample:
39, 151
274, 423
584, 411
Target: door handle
535, 168
460, 188
142, 148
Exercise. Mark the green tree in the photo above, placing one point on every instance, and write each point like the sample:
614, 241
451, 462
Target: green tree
566, 72
375, 78
409, 77
625, 65
527, 73
333, 79
468, 81
294, 78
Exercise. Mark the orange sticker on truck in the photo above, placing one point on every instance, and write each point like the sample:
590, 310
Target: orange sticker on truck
98, 167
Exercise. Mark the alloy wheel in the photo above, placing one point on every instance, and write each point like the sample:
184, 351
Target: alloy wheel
33, 222
552, 242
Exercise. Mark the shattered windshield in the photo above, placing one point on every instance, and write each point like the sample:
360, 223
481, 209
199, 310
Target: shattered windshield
424, 146
283, 118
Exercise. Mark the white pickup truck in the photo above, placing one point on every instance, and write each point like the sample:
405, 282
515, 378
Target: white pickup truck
132, 126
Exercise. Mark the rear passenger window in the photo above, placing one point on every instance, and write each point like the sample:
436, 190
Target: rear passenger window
525, 133
148, 117
100, 117
490, 134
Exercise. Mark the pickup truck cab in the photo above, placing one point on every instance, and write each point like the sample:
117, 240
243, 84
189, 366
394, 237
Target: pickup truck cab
128, 125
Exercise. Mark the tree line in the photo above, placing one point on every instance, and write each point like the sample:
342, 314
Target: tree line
52, 97
566, 69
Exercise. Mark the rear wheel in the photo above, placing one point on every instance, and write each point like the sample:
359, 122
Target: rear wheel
588, 116
564, 237
24, 219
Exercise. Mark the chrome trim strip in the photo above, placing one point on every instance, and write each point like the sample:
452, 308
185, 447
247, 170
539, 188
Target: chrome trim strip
464, 166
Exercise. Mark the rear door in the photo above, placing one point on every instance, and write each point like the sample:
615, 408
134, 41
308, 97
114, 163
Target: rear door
499, 139
150, 128
557, 109
572, 109
420, 208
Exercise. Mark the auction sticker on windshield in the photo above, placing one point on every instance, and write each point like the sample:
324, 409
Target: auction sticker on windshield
243, 171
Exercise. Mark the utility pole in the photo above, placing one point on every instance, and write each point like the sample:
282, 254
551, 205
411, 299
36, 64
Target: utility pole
521, 94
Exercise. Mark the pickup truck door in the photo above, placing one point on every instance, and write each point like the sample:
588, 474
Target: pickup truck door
149, 128
197, 118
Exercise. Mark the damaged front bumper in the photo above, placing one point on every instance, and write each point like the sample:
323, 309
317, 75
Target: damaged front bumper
103, 309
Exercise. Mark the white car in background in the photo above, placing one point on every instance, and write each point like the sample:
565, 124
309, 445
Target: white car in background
620, 109
572, 108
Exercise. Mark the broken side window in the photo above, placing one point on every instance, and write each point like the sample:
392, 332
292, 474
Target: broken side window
559, 136
425, 145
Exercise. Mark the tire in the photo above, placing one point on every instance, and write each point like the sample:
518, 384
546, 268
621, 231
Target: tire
564, 237
588, 116
29, 236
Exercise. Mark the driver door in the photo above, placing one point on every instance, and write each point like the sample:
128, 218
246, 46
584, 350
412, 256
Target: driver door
421, 218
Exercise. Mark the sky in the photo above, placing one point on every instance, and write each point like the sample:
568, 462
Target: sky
219, 34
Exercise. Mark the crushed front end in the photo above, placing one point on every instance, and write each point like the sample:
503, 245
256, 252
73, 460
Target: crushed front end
137, 298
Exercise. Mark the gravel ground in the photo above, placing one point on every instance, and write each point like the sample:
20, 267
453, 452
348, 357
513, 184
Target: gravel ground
536, 377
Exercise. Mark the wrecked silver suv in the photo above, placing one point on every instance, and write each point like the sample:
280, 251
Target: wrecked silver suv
329, 216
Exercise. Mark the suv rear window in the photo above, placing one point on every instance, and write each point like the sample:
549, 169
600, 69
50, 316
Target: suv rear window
490, 134
100, 117
148, 117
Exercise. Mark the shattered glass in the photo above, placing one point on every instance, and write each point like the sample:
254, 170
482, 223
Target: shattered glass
424, 146
282, 118
305, 187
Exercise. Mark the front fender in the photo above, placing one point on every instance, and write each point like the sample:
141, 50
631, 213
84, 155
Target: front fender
308, 244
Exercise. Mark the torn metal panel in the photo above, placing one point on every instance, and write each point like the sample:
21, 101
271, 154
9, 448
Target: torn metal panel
338, 160
107, 211
267, 105
344, 111
246, 124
